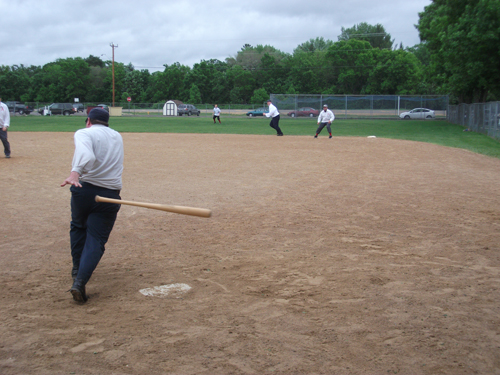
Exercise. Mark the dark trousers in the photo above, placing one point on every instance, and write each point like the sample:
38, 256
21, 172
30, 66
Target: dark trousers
322, 125
275, 121
6, 144
91, 225
218, 118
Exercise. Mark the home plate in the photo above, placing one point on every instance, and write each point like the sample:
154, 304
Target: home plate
166, 290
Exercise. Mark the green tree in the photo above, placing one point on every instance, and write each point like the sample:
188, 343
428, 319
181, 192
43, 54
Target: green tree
169, 84
194, 94
135, 84
242, 83
207, 75
272, 73
95, 61
306, 68
373, 34
259, 96
313, 45
463, 38
15, 82
250, 58
62, 80
350, 62
97, 89
395, 72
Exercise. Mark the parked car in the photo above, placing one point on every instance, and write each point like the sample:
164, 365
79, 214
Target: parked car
304, 111
103, 106
418, 113
187, 109
78, 107
19, 107
257, 112
65, 109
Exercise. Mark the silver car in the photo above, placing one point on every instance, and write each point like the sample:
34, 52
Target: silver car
418, 113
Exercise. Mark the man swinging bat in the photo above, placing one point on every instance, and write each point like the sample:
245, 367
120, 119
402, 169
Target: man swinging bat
96, 170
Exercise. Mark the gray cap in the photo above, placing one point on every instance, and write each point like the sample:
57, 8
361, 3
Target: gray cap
325, 105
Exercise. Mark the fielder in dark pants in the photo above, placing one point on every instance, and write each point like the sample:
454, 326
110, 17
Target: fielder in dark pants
275, 118
325, 118
96, 170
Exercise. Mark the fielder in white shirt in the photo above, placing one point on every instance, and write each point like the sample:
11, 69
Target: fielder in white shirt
275, 117
216, 113
4, 125
325, 118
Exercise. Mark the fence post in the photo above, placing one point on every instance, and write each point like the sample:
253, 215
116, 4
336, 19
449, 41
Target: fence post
345, 107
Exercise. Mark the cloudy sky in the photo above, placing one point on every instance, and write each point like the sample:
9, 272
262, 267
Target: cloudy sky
151, 33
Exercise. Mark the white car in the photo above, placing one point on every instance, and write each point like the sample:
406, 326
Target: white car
418, 113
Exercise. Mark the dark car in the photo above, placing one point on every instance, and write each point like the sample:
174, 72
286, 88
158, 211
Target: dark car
103, 106
304, 111
19, 107
78, 107
65, 109
257, 112
187, 109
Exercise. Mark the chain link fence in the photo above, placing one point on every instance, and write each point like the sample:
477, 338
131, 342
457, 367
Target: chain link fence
344, 106
359, 106
481, 118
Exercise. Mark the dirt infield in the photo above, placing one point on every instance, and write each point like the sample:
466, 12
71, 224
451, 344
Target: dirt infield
341, 256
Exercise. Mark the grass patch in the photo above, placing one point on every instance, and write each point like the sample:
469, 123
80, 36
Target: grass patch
437, 132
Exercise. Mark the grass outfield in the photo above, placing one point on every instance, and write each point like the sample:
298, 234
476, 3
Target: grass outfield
437, 132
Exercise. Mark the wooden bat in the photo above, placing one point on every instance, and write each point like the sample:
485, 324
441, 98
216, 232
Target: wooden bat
202, 212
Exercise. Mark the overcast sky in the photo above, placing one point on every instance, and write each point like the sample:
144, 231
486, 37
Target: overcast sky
151, 33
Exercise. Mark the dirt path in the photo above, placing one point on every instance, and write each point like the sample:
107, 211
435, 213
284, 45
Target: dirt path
341, 256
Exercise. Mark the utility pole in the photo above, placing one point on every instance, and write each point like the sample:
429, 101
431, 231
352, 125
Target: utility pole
113, 70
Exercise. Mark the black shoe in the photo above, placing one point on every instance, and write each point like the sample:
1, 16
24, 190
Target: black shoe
74, 273
280, 135
7, 156
330, 137
78, 291
316, 136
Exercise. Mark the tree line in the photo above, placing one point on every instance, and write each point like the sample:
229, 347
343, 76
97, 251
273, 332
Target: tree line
458, 56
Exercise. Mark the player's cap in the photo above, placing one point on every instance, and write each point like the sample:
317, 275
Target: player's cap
325, 105
269, 100
99, 114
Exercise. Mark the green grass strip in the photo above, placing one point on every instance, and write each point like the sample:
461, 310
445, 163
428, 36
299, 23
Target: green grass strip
435, 131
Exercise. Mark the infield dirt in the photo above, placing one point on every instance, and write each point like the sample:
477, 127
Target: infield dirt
323, 256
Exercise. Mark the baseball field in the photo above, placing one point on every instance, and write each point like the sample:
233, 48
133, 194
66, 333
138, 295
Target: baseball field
350, 255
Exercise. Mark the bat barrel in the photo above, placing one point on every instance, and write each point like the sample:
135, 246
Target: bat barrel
201, 212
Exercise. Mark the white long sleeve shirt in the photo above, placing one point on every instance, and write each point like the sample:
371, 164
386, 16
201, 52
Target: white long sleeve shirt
326, 116
98, 156
216, 111
273, 111
4, 115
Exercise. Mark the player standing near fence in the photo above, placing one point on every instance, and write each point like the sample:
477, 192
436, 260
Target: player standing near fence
325, 118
